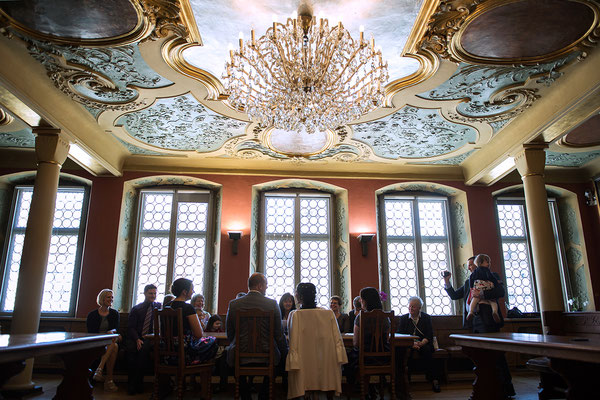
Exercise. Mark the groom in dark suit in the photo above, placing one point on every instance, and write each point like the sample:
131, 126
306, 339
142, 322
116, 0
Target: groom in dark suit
255, 299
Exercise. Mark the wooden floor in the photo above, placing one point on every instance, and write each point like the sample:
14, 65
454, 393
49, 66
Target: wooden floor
525, 383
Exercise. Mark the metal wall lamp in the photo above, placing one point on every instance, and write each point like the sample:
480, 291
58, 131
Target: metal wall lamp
235, 236
364, 239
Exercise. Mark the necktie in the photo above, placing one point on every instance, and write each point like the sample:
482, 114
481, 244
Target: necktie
147, 320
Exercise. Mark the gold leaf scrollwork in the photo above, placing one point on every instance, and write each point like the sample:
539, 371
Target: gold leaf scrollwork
165, 16
444, 24
5, 118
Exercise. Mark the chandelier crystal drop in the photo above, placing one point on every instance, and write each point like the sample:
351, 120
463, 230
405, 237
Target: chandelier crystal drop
305, 74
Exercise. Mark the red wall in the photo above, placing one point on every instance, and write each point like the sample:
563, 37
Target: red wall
106, 196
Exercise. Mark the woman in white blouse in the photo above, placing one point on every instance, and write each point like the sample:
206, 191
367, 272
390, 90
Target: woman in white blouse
316, 352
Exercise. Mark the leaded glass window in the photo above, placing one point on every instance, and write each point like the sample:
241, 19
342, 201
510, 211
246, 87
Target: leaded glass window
64, 259
416, 249
173, 239
297, 243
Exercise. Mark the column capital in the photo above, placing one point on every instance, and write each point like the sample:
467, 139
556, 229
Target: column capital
50, 146
531, 159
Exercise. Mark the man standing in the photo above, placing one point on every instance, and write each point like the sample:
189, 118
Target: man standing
255, 299
140, 324
483, 322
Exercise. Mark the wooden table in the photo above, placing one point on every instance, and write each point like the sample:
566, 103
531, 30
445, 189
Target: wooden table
576, 359
77, 351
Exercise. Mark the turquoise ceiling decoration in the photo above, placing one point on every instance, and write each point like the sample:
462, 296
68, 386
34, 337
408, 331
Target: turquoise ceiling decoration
481, 84
414, 133
448, 161
181, 123
107, 74
133, 149
570, 159
498, 125
22, 138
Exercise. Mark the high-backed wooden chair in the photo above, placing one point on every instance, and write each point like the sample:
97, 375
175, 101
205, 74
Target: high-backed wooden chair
254, 342
169, 353
376, 349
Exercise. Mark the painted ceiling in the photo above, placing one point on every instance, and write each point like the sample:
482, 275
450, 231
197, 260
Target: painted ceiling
149, 83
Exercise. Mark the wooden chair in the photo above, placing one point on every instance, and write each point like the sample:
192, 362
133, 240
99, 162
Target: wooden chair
168, 345
376, 350
254, 335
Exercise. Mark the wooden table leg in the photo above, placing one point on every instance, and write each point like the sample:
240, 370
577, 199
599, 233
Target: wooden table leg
75, 384
487, 384
581, 377
402, 387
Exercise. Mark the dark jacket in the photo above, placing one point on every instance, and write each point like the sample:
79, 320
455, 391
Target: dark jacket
463, 293
94, 319
423, 329
135, 323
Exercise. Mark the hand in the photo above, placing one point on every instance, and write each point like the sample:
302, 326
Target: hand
446, 275
139, 344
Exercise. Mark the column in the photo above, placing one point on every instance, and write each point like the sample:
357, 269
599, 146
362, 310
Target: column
530, 163
51, 151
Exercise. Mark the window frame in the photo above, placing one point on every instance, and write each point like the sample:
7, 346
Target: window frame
298, 194
418, 241
78, 263
172, 235
560, 248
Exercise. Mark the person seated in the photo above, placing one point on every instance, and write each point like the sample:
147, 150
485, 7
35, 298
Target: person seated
198, 304
418, 323
215, 324
198, 348
355, 311
286, 305
316, 351
370, 300
105, 320
335, 304
482, 279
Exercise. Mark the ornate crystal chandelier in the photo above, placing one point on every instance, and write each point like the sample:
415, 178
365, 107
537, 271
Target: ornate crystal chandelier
305, 73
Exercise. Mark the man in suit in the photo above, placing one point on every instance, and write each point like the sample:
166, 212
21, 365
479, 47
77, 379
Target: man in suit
139, 324
483, 322
255, 299
419, 324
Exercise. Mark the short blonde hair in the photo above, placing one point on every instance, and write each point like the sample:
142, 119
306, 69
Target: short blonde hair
102, 295
481, 258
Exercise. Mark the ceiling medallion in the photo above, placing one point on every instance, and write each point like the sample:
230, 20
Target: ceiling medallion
305, 74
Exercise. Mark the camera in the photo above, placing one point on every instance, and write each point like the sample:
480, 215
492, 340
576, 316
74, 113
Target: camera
445, 273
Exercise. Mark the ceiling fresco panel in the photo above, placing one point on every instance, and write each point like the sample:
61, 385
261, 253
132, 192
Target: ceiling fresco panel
181, 123
414, 133
74, 19
570, 159
526, 29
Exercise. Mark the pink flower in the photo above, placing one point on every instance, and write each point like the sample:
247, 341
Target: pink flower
383, 296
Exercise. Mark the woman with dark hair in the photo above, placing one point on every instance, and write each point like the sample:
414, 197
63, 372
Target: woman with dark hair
197, 347
286, 305
214, 324
343, 320
315, 339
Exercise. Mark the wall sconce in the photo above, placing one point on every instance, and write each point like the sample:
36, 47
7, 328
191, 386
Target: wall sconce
364, 239
590, 197
235, 236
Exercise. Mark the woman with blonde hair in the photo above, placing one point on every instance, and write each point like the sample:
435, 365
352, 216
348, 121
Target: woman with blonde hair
105, 320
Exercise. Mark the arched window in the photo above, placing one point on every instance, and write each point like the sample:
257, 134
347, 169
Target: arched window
168, 229
300, 234
421, 230
66, 244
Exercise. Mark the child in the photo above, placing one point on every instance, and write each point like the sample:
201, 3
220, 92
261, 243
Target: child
482, 279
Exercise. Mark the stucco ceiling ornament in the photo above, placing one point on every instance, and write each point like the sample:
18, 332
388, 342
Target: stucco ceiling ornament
166, 17
444, 24
5, 118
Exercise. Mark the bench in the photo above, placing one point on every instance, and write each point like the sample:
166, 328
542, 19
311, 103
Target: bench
580, 324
